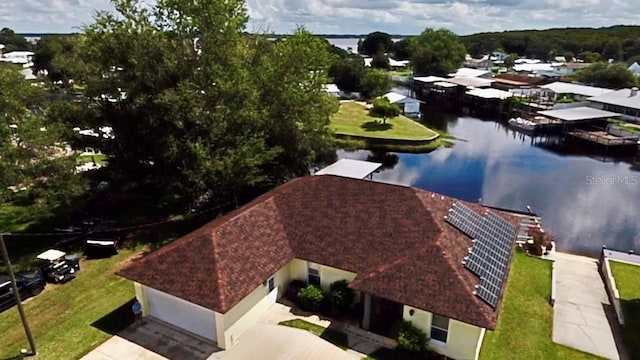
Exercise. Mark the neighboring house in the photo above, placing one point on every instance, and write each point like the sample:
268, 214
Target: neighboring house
577, 92
398, 64
569, 68
391, 243
18, 57
408, 105
332, 89
471, 73
635, 68
625, 102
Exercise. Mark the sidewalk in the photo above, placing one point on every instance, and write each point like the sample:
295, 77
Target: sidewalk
583, 317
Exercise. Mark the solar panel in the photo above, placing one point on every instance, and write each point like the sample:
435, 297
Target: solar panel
489, 255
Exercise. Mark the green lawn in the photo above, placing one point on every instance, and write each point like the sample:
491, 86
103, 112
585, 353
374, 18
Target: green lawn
335, 337
525, 322
353, 119
627, 279
69, 320
100, 159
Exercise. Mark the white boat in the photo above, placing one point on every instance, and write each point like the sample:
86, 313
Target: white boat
523, 123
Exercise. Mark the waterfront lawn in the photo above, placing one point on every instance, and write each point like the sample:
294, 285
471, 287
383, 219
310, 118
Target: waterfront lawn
100, 159
69, 320
353, 119
333, 336
525, 323
626, 277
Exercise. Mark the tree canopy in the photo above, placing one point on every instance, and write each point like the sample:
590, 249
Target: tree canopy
436, 52
197, 106
613, 76
375, 83
617, 42
347, 73
13, 41
57, 56
375, 42
33, 155
382, 108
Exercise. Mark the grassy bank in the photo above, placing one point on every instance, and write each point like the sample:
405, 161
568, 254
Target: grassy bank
525, 323
69, 320
626, 277
353, 120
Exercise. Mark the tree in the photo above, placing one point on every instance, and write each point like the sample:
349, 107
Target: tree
374, 42
436, 52
382, 108
614, 76
347, 73
57, 56
510, 60
380, 61
589, 56
402, 49
375, 83
33, 155
569, 56
613, 50
13, 41
200, 108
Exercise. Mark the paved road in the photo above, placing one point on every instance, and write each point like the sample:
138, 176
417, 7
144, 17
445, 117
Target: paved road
583, 317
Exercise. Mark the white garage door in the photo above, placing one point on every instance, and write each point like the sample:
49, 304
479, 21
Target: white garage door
183, 314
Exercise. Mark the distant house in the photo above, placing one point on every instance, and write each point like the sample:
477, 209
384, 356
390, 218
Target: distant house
577, 92
398, 64
17, 57
569, 68
471, 73
635, 68
399, 248
408, 105
625, 102
332, 89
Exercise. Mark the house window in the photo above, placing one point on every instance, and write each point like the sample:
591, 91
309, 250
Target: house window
271, 284
314, 277
439, 328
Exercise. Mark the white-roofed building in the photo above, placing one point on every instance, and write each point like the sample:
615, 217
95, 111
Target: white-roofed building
576, 91
582, 113
527, 61
635, 68
17, 57
471, 82
428, 79
332, 89
534, 68
356, 169
490, 93
624, 101
398, 63
408, 105
471, 73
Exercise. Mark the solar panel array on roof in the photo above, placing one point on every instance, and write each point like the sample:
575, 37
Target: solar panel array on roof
489, 255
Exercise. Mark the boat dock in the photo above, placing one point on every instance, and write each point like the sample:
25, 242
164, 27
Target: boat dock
603, 138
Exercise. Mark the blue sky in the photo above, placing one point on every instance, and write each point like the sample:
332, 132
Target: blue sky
358, 16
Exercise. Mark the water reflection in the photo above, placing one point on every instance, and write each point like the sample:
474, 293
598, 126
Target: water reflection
585, 202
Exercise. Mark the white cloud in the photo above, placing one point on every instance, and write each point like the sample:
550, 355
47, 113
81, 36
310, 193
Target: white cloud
360, 17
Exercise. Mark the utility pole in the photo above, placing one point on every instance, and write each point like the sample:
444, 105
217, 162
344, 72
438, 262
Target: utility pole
23, 317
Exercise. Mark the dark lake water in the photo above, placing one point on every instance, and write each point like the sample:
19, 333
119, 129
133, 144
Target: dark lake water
586, 201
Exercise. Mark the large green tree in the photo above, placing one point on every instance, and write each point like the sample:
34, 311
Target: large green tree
614, 76
198, 106
58, 57
13, 41
32, 152
382, 108
375, 83
375, 42
347, 73
436, 52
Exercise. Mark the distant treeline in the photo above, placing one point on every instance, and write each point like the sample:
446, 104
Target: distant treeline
616, 42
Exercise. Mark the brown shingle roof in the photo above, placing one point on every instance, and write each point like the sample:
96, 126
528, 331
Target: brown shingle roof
393, 237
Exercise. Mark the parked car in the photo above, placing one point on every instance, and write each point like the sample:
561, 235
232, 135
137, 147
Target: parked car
29, 284
101, 247
57, 266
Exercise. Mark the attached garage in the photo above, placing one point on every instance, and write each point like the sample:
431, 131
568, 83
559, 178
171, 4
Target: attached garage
180, 313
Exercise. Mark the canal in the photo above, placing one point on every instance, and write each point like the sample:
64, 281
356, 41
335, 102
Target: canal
585, 199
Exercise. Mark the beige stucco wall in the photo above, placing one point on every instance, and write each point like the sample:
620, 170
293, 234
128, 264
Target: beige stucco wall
249, 310
463, 340
298, 270
142, 298
329, 275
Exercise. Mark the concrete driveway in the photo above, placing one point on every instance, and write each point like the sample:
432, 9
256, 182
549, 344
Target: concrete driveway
152, 341
274, 342
583, 317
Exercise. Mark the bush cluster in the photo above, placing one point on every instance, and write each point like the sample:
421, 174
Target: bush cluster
411, 339
310, 298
